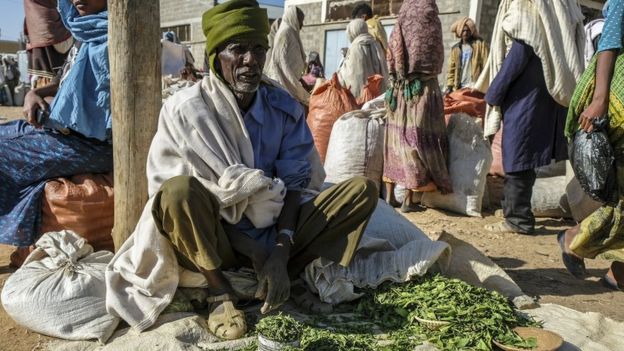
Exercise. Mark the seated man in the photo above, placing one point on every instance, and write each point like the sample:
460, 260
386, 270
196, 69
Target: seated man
70, 137
228, 171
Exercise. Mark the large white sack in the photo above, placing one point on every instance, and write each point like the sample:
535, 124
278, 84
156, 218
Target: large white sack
549, 198
391, 249
356, 147
469, 163
60, 290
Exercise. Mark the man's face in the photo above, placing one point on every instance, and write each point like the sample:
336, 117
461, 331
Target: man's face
241, 65
466, 33
89, 7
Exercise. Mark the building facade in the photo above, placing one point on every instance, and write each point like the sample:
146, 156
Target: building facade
326, 20
184, 17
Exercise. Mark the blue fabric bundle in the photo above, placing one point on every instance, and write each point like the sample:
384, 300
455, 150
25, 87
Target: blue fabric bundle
82, 103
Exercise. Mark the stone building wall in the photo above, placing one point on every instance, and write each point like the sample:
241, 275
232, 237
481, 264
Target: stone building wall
187, 12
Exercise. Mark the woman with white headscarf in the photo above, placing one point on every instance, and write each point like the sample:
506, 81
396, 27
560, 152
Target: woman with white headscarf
364, 58
287, 62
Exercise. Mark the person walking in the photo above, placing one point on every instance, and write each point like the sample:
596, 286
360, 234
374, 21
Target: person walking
599, 93
533, 89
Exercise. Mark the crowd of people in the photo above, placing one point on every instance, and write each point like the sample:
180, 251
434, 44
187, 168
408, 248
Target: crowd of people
232, 170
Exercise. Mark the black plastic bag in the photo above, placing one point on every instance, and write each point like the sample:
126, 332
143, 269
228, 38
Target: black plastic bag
593, 162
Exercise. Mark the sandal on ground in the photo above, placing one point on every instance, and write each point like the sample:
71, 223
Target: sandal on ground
224, 320
306, 300
394, 203
574, 265
499, 213
611, 283
413, 207
501, 227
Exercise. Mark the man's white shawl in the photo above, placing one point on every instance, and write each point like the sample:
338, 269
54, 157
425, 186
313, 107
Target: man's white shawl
201, 133
364, 59
554, 29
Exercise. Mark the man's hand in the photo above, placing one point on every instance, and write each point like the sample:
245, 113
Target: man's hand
273, 279
32, 103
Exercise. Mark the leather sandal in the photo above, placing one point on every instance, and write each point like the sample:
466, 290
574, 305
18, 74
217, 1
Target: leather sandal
611, 283
574, 265
306, 300
229, 323
501, 227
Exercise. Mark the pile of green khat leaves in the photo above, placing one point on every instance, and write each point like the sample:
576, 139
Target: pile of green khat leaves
385, 319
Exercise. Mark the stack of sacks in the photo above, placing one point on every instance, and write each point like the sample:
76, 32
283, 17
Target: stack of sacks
83, 204
356, 147
469, 162
327, 104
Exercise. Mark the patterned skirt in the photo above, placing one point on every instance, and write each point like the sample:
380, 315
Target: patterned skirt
601, 234
28, 158
416, 148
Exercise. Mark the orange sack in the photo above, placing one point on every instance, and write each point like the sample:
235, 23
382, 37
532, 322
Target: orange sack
82, 203
371, 90
327, 104
497, 155
467, 101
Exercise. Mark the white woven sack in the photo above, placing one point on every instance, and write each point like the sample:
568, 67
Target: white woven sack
391, 249
469, 162
549, 198
356, 147
60, 290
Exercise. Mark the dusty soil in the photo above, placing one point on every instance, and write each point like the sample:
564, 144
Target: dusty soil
534, 262
9, 113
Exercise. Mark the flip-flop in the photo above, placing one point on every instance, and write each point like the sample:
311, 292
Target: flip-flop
610, 283
574, 265
411, 208
229, 323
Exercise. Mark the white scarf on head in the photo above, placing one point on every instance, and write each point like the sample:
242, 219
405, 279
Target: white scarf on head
287, 61
364, 59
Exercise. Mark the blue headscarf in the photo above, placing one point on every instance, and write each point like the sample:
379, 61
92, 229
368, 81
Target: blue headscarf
82, 103
605, 9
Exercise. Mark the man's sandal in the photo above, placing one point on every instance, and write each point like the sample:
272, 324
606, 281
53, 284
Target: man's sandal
224, 320
611, 283
501, 227
305, 299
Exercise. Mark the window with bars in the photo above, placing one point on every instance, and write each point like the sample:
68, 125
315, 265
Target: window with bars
183, 32
340, 10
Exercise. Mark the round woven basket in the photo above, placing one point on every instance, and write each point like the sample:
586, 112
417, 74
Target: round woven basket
431, 324
546, 340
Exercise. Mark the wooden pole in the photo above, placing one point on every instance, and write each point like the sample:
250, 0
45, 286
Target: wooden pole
134, 51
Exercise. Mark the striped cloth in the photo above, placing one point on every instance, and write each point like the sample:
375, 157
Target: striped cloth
554, 29
601, 234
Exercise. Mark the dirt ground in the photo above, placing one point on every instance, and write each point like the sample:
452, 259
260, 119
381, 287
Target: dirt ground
9, 113
534, 262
